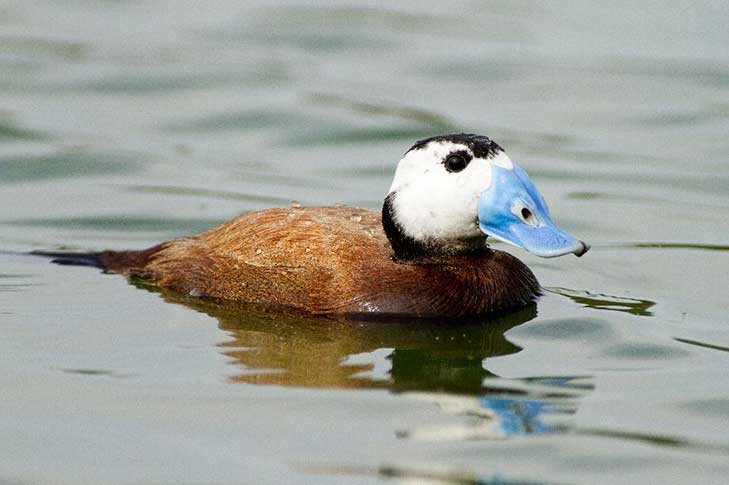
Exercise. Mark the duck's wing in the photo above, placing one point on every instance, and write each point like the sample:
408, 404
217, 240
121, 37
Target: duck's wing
297, 257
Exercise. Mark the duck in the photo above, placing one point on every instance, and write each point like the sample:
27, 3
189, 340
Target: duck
425, 254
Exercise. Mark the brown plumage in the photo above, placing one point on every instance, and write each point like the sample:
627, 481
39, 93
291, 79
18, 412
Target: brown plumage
326, 261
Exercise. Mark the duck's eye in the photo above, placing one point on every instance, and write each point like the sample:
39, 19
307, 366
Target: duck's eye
456, 162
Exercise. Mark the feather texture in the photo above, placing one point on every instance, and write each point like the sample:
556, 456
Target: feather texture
327, 261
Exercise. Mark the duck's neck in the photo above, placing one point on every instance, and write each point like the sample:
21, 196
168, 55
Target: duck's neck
407, 248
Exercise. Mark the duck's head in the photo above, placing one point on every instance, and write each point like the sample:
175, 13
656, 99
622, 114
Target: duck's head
452, 191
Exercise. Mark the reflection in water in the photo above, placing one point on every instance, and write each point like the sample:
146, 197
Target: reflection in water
274, 347
489, 418
519, 416
432, 360
600, 301
507, 408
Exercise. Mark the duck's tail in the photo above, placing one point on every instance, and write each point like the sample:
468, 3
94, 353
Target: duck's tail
93, 260
124, 262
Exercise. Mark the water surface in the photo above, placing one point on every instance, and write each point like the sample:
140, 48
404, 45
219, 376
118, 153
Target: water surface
125, 124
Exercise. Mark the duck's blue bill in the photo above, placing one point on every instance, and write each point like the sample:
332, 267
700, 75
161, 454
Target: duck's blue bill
512, 210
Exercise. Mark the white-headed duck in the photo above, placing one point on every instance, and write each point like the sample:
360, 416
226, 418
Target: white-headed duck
424, 255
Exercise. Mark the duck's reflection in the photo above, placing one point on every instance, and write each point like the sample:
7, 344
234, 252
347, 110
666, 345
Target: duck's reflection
277, 348
424, 355
437, 361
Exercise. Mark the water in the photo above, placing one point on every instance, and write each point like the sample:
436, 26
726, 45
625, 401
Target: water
123, 124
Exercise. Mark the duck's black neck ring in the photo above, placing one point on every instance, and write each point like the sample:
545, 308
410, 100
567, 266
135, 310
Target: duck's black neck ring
405, 247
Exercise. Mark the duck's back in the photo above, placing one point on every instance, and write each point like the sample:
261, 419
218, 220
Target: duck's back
327, 260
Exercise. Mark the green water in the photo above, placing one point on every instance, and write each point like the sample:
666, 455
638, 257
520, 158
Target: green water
123, 124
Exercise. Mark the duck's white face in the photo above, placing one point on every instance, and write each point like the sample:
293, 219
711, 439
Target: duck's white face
435, 203
453, 190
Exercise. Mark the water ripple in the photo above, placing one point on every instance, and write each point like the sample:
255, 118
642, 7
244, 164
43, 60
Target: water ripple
206, 193
120, 222
65, 164
601, 301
